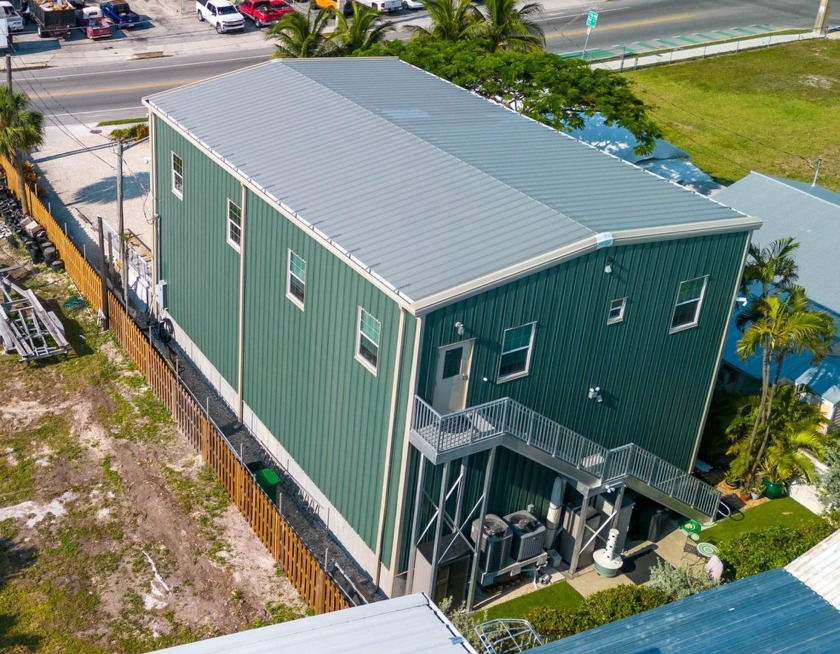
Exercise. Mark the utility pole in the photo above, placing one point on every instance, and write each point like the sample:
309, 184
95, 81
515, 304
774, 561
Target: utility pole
121, 225
822, 17
9, 71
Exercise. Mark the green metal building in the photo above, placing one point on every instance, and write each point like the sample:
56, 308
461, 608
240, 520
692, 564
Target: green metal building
430, 309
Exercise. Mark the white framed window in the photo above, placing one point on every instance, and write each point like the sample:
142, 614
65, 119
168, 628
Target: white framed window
367, 340
234, 225
296, 279
517, 344
177, 176
689, 300
616, 312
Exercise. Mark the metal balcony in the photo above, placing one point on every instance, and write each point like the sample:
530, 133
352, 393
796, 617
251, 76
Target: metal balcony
443, 438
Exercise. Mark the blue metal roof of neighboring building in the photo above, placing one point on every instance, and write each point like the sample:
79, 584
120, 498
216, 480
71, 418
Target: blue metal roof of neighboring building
424, 184
808, 213
770, 613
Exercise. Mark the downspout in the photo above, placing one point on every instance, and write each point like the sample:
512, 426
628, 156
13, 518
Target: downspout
705, 415
389, 446
153, 305
240, 345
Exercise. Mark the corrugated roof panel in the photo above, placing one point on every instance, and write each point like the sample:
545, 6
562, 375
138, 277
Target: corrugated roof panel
430, 186
810, 215
819, 569
405, 624
770, 613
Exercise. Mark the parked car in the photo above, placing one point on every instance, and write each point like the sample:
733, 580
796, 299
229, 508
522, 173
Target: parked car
53, 18
221, 14
120, 14
265, 12
412, 4
13, 18
333, 4
93, 22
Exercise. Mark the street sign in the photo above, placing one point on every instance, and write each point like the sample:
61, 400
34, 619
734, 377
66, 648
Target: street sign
592, 19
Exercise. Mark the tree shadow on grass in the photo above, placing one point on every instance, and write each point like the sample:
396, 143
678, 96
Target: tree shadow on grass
13, 559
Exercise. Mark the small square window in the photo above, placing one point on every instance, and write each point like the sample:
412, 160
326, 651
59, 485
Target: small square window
296, 280
178, 176
234, 225
516, 352
687, 307
616, 313
367, 340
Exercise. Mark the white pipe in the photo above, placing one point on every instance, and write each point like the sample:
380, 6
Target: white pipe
555, 508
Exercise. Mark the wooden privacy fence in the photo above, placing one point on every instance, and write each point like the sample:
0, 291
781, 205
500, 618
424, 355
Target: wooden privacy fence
302, 568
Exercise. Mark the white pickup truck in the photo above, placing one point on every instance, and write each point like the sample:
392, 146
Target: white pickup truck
221, 14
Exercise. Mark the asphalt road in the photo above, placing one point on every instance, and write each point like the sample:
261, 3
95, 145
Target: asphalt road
94, 91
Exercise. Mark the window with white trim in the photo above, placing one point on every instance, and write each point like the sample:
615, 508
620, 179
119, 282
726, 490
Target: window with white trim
616, 313
234, 225
517, 344
296, 279
367, 340
687, 307
178, 176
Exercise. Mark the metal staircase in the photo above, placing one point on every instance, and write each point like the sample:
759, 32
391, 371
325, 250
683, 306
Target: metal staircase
443, 438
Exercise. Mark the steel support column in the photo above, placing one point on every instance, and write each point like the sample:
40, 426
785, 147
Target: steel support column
438, 529
488, 474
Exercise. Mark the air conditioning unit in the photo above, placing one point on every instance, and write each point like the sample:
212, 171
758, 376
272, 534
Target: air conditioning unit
528, 535
496, 537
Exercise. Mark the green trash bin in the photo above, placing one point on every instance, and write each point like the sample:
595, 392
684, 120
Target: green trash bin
774, 491
268, 480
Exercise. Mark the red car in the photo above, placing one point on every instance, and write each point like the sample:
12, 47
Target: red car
265, 12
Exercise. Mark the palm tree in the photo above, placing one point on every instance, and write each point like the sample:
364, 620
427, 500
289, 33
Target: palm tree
772, 265
452, 20
300, 36
364, 29
20, 130
509, 27
780, 325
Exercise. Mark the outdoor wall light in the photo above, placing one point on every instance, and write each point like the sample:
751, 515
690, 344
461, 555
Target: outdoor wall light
595, 394
459, 328
609, 266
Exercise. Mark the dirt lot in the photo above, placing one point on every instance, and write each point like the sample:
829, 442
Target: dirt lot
113, 536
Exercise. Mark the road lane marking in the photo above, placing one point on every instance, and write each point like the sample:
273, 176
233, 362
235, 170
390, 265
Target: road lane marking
118, 89
621, 26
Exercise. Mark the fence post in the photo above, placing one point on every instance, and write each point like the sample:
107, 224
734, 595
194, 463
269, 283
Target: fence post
320, 587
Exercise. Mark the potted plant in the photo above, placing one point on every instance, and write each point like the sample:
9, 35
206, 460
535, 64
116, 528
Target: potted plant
756, 491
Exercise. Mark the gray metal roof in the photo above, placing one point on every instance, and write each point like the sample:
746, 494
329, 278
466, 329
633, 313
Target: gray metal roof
769, 613
424, 183
819, 569
810, 214
405, 624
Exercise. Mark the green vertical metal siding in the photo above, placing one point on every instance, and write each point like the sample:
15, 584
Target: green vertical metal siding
200, 268
301, 378
654, 383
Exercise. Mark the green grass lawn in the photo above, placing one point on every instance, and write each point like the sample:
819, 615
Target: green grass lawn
773, 110
784, 511
557, 595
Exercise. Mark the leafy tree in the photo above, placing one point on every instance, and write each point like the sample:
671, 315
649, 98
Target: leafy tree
771, 266
361, 31
452, 20
778, 325
796, 431
556, 92
21, 129
299, 36
508, 26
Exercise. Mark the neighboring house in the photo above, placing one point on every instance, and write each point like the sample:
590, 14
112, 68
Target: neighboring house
794, 609
398, 626
665, 160
811, 215
403, 250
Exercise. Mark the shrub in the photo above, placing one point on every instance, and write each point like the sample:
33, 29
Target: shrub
677, 583
133, 133
599, 608
765, 549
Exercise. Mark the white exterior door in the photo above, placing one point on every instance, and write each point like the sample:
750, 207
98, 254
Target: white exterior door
452, 377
